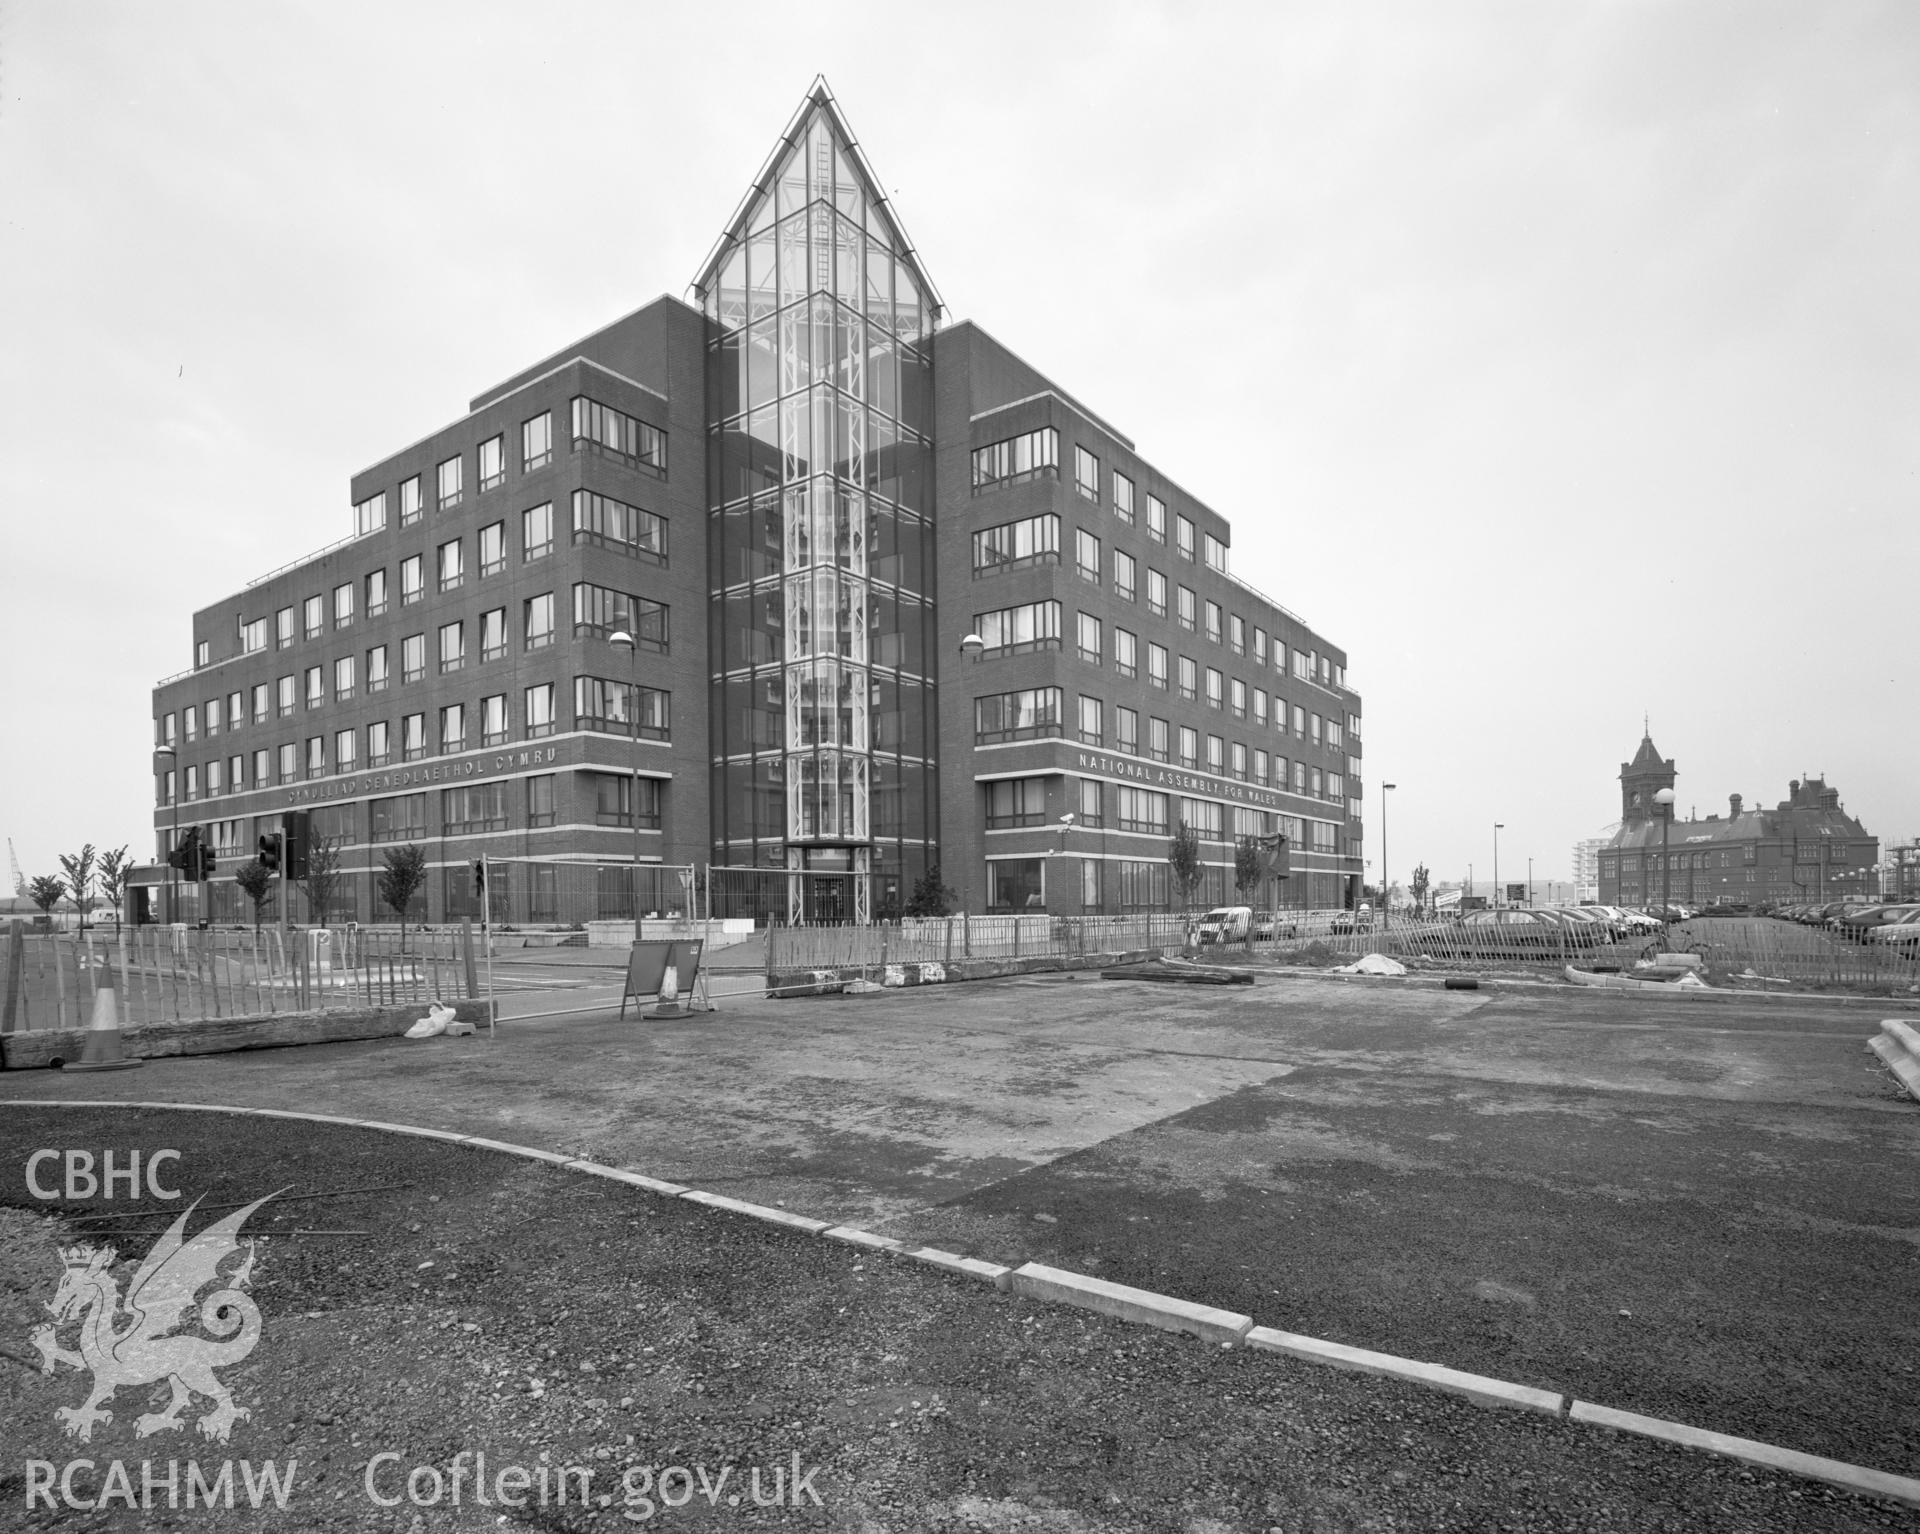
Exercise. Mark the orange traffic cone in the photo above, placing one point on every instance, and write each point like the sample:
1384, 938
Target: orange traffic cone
106, 1050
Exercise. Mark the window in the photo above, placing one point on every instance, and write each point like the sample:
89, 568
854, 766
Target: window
1123, 569
1204, 816
376, 593
493, 549
1214, 688
453, 647
493, 634
1215, 552
610, 431
1156, 519
1122, 496
1237, 698
1011, 630
1016, 802
536, 442
1317, 789
493, 462
253, 636
602, 705
1213, 622
1012, 545
190, 722
399, 819
412, 502
193, 784
1302, 666
343, 679
1260, 706
262, 703
540, 800
370, 515
537, 622
1299, 721
1186, 613
283, 629
236, 773
262, 767
1237, 634
1333, 733
1126, 729
377, 745
1239, 761
447, 477
613, 800
1017, 458
289, 762
1092, 811
1189, 678
1024, 715
1086, 474
536, 532
598, 612
1126, 652
236, 710
1313, 721
202, 653
377, 677
453, 727
315, 689
1141, 810
1156, 593
1259, 645
1189, 746
1086, 556
473, 807
539, 710
1260, 767
1159, 732
1092, 722
413, 657
1183, 538
452, 565
288, 697
343, 606
1091, 647
317, 756
413, 584
611, 524
344, 754
1299, 777
313, 617
1016, 884
413, 737
1157, 664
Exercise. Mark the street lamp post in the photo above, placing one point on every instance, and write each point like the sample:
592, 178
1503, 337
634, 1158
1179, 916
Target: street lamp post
1665, 800
1529, 881
1497, 829
622, 637
173, 872
1386, 879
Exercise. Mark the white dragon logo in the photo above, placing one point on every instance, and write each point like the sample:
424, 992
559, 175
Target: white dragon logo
145, 1349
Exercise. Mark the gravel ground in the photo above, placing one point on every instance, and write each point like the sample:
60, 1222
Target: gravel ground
542, 1316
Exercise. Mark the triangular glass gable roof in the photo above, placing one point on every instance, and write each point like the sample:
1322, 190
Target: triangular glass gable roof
817, 158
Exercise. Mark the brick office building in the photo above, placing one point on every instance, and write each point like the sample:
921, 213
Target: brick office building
1806, 848
802, 495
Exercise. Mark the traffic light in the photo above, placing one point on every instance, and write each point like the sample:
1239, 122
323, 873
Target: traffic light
188, 855
1282, 859
296, 827
270, 852
480, 877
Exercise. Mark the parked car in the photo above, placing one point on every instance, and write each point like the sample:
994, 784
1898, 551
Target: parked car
1226, 924
1902, 932
1270, 929
1726, 908
1861, 919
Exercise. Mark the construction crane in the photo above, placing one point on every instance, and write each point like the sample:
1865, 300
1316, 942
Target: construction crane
19, 879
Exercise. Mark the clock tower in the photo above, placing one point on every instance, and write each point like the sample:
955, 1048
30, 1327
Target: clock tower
1640, 780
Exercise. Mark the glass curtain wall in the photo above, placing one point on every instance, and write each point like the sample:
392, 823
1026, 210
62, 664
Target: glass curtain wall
820, 496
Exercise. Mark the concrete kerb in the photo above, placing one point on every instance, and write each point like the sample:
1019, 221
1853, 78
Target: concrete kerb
1142, 1306
1898, 1046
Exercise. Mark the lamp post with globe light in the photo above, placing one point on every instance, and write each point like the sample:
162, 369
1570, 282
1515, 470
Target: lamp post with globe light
1665, 800
1497, 829
169, 757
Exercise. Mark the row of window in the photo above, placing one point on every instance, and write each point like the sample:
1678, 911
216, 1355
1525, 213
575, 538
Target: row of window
597, 519
597, 427
1036, 541
600, 705
1035, 713
1013, 803
1036, 455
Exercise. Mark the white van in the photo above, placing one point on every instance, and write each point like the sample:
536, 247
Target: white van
1226, 924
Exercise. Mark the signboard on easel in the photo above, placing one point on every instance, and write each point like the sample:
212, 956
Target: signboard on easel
648, 968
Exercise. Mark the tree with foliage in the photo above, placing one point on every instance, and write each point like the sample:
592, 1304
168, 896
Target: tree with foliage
257, 885
1183, 857
406, 871
116, 868
79, 870
322, 878
930, 897
1420, 883
47, 891
1249, 868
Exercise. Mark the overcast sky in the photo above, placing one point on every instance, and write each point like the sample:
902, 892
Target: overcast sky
1557, 360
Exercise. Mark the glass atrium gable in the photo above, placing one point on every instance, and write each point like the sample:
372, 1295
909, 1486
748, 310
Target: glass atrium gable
820, 475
